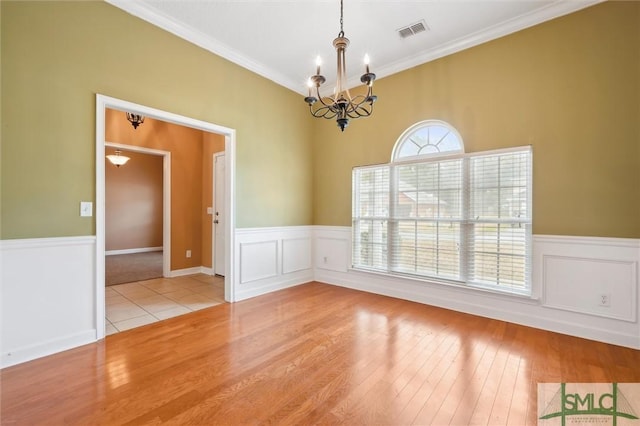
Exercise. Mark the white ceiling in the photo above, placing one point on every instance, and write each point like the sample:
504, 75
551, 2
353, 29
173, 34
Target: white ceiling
280, 39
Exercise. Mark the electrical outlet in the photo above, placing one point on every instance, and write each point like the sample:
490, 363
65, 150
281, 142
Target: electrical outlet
188, 253
604, 300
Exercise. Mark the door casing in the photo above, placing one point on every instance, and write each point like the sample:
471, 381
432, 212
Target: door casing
102, 103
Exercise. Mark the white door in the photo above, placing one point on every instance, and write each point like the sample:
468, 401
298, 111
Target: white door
218, 214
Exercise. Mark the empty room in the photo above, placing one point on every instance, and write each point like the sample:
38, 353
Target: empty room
386, 212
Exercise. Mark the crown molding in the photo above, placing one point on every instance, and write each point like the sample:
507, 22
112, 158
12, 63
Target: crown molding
160, 20
552, 11
547, 13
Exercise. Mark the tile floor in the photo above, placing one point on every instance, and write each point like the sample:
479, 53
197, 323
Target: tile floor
135, 304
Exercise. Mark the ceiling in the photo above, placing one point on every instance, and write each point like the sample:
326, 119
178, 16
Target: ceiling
280, 39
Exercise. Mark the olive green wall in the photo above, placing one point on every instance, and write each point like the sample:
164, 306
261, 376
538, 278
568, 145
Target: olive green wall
57, 55
569, 87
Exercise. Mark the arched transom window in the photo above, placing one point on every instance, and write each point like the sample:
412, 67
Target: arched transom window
428, 138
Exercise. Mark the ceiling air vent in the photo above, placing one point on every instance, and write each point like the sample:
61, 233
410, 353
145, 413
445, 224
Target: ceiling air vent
413, 29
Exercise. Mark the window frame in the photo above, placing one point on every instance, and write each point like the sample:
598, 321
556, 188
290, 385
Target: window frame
397, 148
466, 222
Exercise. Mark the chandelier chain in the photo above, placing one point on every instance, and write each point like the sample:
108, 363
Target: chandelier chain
341, 34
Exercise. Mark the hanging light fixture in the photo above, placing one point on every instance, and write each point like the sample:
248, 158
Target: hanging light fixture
117, 159
341, 105
135, 119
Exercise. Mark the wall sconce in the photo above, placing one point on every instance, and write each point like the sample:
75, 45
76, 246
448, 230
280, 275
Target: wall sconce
117, 159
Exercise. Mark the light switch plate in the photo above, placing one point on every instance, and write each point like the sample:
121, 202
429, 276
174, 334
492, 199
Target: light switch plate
86, 208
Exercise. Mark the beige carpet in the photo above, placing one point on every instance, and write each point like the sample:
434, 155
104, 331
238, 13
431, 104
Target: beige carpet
127, 268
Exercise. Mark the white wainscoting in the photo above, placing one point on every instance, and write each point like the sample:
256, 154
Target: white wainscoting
570, 274
48, 286
270, 259
48, 296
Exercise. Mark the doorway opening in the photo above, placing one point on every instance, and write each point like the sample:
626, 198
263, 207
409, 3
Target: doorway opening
138, 211
102, 104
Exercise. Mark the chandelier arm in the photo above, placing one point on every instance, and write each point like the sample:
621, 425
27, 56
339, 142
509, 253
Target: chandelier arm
360, 99
322, 112
361, 112
331, 103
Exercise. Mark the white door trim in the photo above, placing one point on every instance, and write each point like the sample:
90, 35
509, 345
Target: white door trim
102, 103
166, 199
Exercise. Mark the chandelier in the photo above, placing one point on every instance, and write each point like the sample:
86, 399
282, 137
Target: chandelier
135, 119
341, 105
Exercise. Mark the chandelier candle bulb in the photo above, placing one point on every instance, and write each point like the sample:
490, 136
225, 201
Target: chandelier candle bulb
318, 63
366, 63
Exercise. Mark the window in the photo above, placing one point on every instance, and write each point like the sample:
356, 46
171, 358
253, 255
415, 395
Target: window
435, 212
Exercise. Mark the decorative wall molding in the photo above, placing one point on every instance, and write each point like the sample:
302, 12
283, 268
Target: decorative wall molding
48, 296
41, 243
569, 274
593, 280
271, 259
151, 15
258, 260
566, 286
296, 254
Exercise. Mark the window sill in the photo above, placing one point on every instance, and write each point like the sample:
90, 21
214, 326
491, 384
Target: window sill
451, 284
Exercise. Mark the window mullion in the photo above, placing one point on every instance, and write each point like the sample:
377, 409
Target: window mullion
466, 227
392, 221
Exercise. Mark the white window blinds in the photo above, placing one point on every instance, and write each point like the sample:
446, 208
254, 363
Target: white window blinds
500, 220
370, 217
426, 218
466, 220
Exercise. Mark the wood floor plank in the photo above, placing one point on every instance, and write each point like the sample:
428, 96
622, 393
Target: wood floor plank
311, 354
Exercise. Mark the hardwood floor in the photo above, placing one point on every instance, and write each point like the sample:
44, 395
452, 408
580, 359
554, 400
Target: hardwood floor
310, 354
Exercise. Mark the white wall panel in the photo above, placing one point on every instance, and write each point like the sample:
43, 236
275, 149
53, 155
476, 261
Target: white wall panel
579, 284
296, 255
48, 296
270, 259
332, 254
333, 248
258, 260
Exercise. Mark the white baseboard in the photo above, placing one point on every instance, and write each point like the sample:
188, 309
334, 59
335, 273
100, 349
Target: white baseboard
186, 271
38, 350
191, 271
132, 251
270, 286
